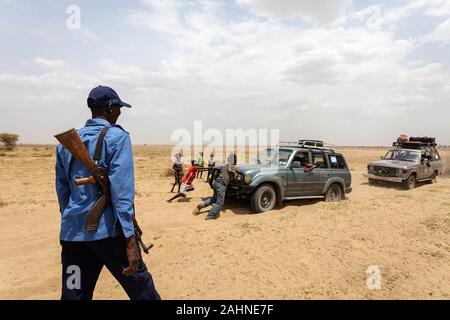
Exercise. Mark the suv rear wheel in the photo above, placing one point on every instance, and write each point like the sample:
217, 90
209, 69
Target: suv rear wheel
334, 193
264, 199
410, 183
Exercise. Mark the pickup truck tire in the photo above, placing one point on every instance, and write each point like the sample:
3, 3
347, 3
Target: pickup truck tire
433, 178
334, 193
410, 183
264, 199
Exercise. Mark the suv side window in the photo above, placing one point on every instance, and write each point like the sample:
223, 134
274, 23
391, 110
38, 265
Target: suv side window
319, 160
337, 161
299, 156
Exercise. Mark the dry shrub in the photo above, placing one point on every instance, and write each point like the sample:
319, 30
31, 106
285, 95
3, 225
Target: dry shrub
43, 155
9, 140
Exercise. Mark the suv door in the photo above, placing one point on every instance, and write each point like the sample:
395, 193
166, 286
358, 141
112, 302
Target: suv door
339, 168
299, 183
321, 173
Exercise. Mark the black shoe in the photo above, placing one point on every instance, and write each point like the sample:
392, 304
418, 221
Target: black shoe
212, 217
197, 210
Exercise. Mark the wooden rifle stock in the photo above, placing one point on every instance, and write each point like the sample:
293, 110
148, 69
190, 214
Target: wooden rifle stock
72, 142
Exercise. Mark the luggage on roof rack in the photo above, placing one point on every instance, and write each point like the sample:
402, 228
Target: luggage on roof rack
311, 143
304, 143
423, 140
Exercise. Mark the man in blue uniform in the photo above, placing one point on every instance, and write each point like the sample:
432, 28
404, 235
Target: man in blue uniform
112, 244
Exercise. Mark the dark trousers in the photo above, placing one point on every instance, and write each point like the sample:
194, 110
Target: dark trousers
217, 200
210, 169
83, 261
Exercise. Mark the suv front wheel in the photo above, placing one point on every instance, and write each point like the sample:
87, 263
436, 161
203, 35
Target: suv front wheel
264, 199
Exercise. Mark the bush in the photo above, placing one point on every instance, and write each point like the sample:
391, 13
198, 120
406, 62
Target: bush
9, 140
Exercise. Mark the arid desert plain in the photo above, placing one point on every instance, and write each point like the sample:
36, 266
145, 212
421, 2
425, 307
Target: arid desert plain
305, 250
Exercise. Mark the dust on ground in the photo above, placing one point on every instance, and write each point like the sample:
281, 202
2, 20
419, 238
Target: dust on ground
305, 250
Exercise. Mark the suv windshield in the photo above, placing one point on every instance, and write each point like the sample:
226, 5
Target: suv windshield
403, 155
274, 157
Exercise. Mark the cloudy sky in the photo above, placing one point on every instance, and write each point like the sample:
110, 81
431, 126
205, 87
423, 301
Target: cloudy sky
349, 72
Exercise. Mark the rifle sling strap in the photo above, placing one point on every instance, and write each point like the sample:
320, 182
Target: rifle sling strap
99, 146
95, 214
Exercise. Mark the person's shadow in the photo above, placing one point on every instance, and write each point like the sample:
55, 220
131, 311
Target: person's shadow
242, 206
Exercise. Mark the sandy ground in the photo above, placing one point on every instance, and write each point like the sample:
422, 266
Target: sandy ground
305, 250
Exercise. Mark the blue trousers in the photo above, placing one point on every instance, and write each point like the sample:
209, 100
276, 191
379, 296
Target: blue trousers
217, 200
83, 261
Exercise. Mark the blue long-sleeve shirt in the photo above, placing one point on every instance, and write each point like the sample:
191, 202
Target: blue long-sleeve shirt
76, 201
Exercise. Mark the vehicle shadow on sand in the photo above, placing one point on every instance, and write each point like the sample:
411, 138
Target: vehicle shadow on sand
394, 186
242, 206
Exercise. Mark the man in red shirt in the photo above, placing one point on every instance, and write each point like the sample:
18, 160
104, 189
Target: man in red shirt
186, 182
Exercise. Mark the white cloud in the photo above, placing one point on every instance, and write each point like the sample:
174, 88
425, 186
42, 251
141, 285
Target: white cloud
52, 64
438, 8
379, 16
440, 34
254, 72
320, 11
162, 17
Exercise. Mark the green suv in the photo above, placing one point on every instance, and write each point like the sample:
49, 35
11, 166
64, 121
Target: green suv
278, 174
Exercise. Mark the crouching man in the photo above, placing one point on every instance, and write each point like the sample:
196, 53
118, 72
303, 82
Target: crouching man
227, 173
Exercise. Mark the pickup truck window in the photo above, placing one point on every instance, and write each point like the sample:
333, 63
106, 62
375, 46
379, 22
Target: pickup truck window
337, 161
435, 155
403, 155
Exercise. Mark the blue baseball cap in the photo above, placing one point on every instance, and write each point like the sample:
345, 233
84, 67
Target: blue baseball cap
105, 97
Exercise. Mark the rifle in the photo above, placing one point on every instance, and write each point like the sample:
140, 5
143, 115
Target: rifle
98, 176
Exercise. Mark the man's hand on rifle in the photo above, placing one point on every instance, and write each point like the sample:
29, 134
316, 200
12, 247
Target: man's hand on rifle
133, 255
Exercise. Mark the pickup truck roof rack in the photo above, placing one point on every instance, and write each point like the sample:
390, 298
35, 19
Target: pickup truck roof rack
415, 142
309, 144
417, 145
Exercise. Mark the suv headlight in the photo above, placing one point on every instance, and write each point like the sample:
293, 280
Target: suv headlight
248, 178
239, 177
369, 168
402, 171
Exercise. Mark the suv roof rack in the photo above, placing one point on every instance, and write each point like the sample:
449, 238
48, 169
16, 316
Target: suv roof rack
309, 144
